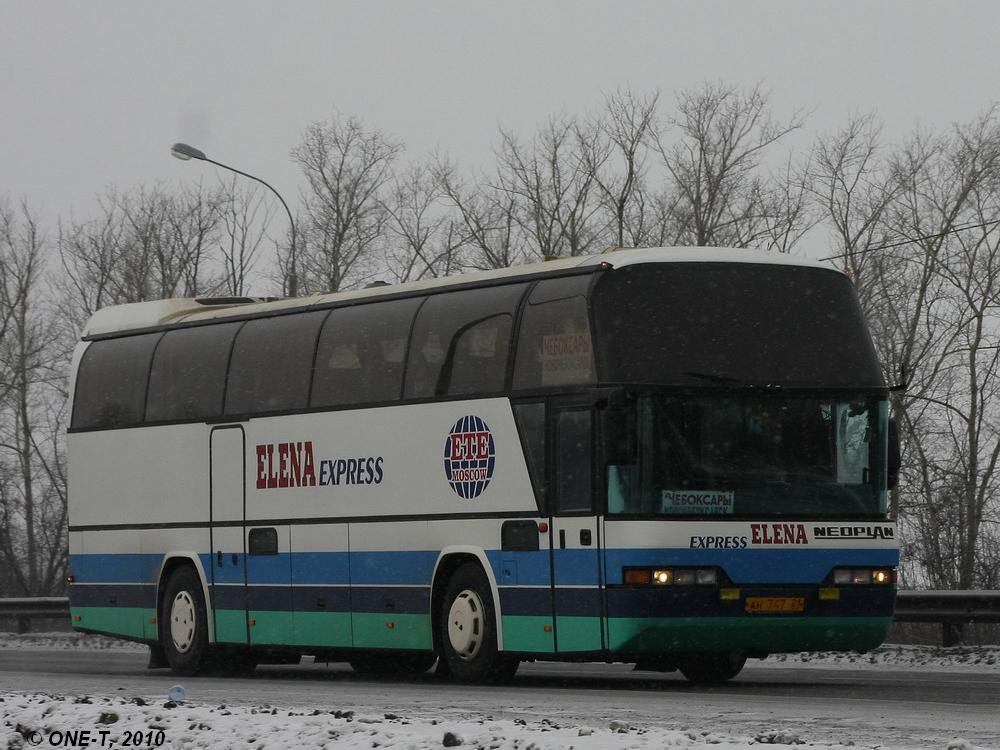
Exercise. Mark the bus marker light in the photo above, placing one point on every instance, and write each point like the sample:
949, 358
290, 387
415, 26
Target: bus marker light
684, 577
729, 595
70, 579
77, 618
152, 620
390, 625
547, 628
637, 577
251, 622
543, 527
829, 594
706, 576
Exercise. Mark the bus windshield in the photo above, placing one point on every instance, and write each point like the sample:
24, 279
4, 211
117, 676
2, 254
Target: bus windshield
752, 455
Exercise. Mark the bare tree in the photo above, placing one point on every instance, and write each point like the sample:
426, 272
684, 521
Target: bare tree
486, 228
347, 167
919, 231
146, 244
625, 126
245, 215
715, 167
32, 483
550, 183
423, 240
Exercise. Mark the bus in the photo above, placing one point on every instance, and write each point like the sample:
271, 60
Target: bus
677, 457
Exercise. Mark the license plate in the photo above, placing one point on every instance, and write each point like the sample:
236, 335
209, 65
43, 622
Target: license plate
756, 604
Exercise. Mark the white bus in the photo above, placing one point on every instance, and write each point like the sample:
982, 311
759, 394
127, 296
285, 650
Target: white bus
676, 457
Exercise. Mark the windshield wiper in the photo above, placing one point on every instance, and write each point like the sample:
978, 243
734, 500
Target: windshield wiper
727, 380
720, 379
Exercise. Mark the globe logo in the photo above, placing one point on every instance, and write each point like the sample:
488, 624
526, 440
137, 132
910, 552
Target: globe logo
469, 457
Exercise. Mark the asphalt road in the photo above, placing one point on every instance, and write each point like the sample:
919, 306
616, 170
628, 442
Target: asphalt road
865, 706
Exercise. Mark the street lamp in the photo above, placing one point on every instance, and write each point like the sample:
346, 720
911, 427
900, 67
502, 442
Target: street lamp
184, 152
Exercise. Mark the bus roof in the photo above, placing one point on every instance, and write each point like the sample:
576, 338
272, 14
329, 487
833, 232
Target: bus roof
146, 315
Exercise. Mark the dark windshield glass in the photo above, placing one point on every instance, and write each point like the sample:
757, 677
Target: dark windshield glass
752, 455
732, 324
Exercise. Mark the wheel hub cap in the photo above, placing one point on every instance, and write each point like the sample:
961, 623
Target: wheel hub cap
182, 621
465, 625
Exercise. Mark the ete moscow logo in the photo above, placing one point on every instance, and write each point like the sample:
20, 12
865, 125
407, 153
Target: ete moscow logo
470, 456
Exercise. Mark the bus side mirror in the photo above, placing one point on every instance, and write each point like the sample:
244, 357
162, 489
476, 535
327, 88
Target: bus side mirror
892, 466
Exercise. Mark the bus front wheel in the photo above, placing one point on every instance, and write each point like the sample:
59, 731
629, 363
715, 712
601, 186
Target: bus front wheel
468, 637
184, 622
711, 669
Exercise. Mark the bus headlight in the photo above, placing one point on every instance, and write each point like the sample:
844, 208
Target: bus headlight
670, 576
863, 576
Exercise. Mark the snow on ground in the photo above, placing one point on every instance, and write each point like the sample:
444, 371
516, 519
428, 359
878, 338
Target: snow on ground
922, 658
39, 720
65, 640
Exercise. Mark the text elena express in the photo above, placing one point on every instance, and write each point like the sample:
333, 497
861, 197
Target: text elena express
292, 464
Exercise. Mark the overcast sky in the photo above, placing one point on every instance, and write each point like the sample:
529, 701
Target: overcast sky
93, 93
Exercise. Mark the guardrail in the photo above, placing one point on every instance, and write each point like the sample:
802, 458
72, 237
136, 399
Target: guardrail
945, 607
953, 607
35, 606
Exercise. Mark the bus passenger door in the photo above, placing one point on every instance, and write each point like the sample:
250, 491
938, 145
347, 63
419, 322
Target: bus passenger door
575, 538
227, 470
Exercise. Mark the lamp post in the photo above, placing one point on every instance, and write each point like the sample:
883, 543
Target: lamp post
184, 152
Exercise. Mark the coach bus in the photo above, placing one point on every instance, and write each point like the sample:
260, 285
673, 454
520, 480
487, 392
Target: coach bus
677, 457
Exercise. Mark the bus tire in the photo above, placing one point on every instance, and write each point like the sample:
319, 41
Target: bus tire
711, 669
184, 623
467, 629
388, 664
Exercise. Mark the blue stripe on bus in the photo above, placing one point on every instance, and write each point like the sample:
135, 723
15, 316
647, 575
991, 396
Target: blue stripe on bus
321, 568
401, 568
529, 568
114, 568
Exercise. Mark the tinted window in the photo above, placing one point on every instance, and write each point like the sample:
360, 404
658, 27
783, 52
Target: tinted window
554, 346
111, 384
573, 472
272, 364
530, 420
188, 376
732, 324
362, 353
461, 342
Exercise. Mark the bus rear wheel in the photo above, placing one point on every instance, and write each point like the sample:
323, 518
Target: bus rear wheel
467, 630
183, 621
711, 669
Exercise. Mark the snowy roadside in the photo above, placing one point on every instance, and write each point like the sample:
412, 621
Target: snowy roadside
923, 658
40, 720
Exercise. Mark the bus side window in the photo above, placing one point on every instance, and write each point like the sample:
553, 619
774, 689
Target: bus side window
188, 375
477, 362
271, 364
362, 352
554, 346
111, 385
530, 419
573, 473
461, 341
